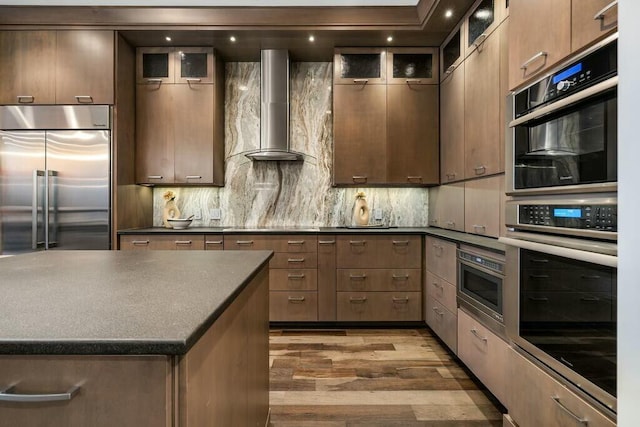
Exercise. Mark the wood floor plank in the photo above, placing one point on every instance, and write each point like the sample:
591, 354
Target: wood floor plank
372, 378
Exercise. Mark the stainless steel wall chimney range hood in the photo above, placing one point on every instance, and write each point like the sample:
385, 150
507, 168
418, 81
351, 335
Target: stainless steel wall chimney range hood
274, 107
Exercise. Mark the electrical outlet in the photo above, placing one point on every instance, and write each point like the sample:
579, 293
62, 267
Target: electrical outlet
377, 214
215, 213
197, 214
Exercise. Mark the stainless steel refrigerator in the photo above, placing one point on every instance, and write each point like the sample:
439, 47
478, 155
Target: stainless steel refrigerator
55, 177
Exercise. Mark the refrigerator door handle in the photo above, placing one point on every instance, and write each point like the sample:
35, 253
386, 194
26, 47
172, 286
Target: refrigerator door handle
51, 221
35, 244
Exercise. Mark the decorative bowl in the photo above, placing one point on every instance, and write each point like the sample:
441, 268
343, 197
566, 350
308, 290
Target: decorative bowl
179, 223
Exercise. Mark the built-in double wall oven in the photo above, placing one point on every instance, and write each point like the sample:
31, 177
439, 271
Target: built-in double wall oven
560, 290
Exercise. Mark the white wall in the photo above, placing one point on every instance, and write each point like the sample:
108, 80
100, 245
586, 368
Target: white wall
628, 211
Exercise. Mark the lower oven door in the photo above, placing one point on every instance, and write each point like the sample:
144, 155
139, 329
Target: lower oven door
561, 307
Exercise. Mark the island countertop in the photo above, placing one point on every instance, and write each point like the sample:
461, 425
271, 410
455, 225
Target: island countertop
113, 302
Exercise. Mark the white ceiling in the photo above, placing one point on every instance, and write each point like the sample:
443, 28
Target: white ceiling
183, 3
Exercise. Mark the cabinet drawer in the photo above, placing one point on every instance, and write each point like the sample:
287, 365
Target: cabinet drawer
162, 242
277, 243
132, 390
379, 306
378, 280
293, 280
214, 242
299, 260
365, 251
441, 258
537, 399
444, 323
442, 291
293, 306
484, 353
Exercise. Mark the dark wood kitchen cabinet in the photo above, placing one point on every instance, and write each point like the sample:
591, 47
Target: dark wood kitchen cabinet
386, 120
180, 117
452, 125
482, 120
179, 242
57, 67
540, 36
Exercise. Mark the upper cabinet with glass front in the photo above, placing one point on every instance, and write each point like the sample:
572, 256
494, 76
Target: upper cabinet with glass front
451, 51
481, 20
359, 66
175, 65
412, 65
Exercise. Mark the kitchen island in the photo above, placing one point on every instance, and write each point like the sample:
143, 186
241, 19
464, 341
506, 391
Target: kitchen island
156, 338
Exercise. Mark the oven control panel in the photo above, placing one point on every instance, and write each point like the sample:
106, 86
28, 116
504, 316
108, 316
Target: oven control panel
583, 217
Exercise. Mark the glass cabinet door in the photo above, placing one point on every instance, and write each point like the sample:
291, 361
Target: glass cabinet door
481, 20
451, 53
359, 66
154, 65
412, 66
194, 65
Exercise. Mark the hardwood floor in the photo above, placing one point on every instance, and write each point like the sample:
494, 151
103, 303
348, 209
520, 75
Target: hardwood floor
372, 378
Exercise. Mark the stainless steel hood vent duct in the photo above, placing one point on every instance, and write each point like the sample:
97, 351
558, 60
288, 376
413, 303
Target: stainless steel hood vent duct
274, 107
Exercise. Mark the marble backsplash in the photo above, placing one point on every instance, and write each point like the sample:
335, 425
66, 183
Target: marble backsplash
292, 194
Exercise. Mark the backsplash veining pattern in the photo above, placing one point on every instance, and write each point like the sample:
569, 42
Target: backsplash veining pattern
264, 194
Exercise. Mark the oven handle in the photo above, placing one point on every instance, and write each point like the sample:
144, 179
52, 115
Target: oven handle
592, 257
481, 268
572, 99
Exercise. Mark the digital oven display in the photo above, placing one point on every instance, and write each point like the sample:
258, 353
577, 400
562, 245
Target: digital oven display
575, 69
567, 213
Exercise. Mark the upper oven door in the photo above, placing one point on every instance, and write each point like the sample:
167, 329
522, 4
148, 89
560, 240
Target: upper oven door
563, 132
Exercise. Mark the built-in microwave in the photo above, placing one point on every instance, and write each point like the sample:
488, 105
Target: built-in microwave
562, 129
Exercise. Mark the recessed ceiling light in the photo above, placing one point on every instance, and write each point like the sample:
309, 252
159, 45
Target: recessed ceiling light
390, 38
168, 38
448, 13
312, 39
232, 39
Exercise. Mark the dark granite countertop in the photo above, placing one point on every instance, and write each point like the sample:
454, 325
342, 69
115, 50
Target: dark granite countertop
117, 302
454, 236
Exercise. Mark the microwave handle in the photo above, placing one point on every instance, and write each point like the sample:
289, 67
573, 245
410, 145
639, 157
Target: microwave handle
550, 248
572, 99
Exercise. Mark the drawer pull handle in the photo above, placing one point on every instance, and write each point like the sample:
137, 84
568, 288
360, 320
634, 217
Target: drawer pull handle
404, 300
326, 242
295, 242
84, 99
155, 177
359, 178
400, 242
438, 312
450, 176
414, 178
568, 411
154, 80
439, 249
478, 41
357, 242
140, 242
479, 227
362, 81
528, 62
450, 69
603, 12
357, 300
357, 276
244, 242
193, 177
540, 261
480, 170
296, 276
183, 242
7, 395
538, 276
25, 99
434, 221
590, 299
414, 81
475, 333
451, 223
213, 242
193, 80
594, 277
295, 260
400, 276
538, 299
438, 285
566, 178
296, 299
